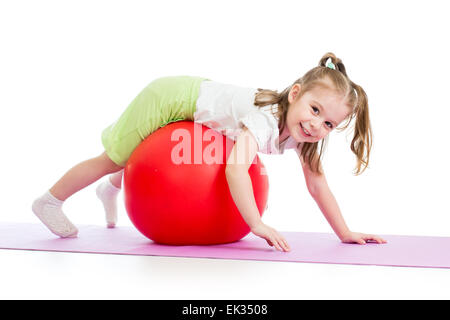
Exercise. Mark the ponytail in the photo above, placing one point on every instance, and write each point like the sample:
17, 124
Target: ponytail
362, 138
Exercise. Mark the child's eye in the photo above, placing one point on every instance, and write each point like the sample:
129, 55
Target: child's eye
329, 124
315, 109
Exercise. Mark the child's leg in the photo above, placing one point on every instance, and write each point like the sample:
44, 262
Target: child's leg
116, 179
107, 193
48, 208
82, 175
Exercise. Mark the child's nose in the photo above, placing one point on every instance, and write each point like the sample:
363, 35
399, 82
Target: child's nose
314, 124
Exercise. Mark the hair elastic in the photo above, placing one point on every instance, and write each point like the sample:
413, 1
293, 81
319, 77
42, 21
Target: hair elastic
330, 64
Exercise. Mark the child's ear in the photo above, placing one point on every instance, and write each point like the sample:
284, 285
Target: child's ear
293, 93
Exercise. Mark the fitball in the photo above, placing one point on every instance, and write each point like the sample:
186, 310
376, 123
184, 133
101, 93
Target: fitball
176, 191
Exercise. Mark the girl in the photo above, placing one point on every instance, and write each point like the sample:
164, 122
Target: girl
298, 118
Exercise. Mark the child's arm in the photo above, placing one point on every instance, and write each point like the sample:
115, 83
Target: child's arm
321, 193
240, 184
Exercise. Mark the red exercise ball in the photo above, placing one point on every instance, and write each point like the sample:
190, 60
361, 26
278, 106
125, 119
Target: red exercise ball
176, 190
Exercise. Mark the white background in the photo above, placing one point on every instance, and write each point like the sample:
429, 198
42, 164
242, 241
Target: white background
69, 68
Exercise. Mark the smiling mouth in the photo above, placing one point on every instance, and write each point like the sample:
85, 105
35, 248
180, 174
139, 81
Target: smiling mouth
306, 132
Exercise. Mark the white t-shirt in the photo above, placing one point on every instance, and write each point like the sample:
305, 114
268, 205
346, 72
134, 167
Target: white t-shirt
227, 108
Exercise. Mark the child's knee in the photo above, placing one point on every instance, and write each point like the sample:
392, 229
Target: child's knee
110, 165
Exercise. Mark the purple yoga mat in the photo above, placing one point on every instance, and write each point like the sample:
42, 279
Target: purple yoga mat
405, 251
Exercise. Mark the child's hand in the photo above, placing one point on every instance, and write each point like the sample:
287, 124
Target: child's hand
272, 237
361, 238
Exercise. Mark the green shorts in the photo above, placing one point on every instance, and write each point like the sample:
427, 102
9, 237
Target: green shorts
163, 101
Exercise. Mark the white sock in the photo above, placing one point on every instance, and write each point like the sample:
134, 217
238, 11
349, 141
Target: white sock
49, 210
107, 193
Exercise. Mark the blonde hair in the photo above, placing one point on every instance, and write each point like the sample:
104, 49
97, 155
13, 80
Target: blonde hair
356, 100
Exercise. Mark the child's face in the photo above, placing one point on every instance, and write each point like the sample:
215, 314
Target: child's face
317, 112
